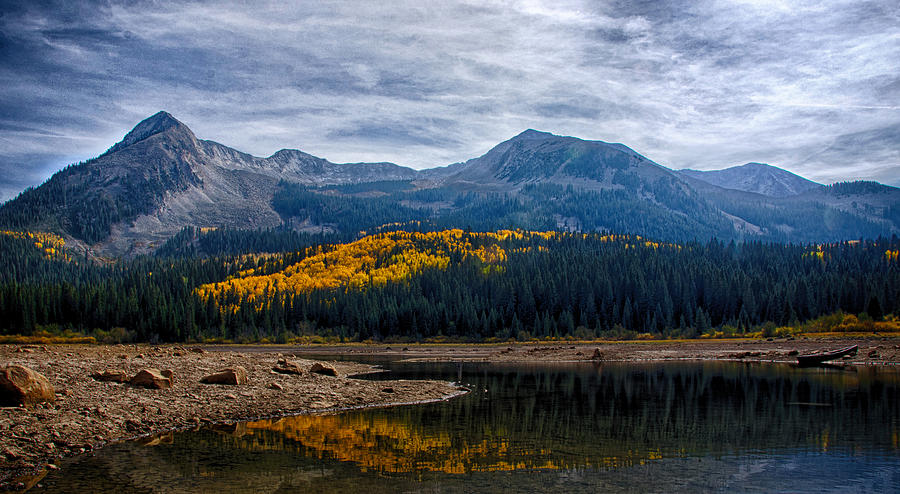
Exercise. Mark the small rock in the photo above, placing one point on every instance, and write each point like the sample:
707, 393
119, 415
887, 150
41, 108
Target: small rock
793, 352
873, 354
114, 375
169, 373
123, 356
198, 350
387, 390
285, 366
151, 378
12, 454
20, 385
275, 386
51, 466
325, 370
230, 396
232, 375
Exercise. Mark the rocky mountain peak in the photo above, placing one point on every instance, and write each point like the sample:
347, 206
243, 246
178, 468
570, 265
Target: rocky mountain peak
532, 134
158, 123
759, 178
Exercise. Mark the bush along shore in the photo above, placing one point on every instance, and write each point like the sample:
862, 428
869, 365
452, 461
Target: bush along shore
103, 394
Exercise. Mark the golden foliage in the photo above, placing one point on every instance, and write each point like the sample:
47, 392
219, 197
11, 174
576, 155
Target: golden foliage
382, 258
371, 261
50, 243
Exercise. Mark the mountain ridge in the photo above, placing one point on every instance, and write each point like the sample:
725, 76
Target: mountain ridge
760, 178
161, 178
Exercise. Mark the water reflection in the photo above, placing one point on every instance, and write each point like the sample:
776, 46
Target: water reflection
691, 426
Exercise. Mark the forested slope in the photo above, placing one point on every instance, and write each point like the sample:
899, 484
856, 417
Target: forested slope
453, 283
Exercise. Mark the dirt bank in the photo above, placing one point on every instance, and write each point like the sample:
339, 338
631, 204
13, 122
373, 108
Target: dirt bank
872, 350
88, 413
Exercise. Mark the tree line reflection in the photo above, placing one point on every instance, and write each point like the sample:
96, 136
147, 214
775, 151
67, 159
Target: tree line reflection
536, 417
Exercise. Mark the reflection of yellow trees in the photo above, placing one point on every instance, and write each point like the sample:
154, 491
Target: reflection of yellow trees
383, 445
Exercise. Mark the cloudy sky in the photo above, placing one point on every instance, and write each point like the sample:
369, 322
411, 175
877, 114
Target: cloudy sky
810, 86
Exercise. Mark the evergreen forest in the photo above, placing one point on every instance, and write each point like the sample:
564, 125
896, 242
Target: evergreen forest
229, 285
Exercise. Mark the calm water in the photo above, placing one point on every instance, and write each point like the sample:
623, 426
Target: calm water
548, 428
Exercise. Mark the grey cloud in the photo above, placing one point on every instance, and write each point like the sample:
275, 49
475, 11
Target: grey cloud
422, 132
701, 83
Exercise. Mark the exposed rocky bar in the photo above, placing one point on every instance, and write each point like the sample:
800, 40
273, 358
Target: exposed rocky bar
104, 394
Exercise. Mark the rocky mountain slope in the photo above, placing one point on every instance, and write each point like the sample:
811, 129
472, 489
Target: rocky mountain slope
759, 178
161, 178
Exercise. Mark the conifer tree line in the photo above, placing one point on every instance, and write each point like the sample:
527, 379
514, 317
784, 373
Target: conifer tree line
547, 286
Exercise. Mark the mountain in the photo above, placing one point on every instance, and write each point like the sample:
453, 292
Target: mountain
160, 179
533, 157
760, 178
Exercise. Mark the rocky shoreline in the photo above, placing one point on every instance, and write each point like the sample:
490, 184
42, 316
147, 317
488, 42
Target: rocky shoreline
89, 412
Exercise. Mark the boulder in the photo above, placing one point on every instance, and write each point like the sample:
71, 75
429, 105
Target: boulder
287, 367
325, 370
20, 385
232, 375
115, 375
151, 378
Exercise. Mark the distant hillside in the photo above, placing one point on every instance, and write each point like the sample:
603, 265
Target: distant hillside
759, 178
161, 179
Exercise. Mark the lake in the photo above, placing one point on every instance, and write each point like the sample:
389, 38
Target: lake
656, 427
